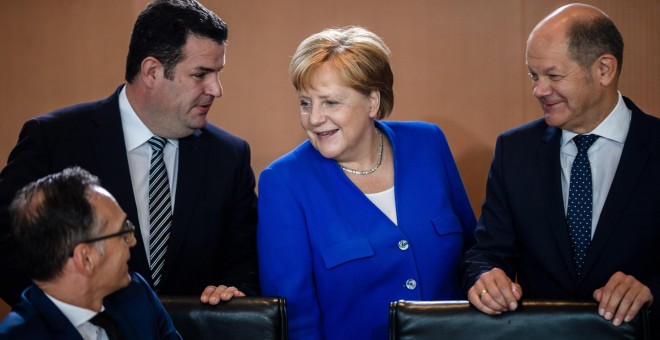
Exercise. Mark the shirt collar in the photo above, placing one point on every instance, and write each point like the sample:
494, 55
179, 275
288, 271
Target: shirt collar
135, 132
76, 315
614, 127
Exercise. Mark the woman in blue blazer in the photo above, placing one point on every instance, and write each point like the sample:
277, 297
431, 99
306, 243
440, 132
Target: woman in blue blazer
364, 212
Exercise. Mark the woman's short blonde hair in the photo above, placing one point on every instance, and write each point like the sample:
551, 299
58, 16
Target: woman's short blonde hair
360, 56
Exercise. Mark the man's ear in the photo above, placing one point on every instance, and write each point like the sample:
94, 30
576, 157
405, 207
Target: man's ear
83, 258
606, 69
151, 70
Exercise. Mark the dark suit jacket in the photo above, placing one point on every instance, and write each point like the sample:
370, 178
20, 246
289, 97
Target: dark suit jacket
213, 237
136, 310
523, 227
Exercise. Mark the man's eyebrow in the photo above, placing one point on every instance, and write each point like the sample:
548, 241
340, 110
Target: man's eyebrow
545, 70
207, 69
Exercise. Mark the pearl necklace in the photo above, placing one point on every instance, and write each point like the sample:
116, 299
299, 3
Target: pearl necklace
380, 158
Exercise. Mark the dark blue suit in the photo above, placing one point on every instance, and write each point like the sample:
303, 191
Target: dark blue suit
136, 310
523, 227
213, 238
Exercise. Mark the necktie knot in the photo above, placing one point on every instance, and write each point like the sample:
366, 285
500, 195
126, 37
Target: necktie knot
108, 324
584, 142
157, 143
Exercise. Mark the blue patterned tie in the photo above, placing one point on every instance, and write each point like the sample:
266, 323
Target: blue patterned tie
580, 200
160, 209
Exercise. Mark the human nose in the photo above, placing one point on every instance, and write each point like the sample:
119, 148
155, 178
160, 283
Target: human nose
316, 116
130, 238
132, 241
541, 88
214, 88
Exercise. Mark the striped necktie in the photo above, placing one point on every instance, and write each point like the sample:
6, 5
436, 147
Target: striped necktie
160, 209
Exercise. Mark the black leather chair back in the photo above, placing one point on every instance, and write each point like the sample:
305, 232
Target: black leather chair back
536, 320
240, 318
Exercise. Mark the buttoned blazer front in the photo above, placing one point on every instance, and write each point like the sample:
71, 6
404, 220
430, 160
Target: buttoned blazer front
338, 260
136, 310
213, 236
523, 228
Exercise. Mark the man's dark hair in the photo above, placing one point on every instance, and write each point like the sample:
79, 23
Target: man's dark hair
162, 29
49, 217
590, 38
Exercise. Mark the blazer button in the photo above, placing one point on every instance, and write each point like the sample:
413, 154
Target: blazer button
411, 284
403, 244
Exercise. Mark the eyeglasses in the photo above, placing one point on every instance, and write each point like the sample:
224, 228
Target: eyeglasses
128, 233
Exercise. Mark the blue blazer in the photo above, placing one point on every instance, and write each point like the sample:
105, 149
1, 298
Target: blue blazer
338, 260
135, 308
213, 236
523, 227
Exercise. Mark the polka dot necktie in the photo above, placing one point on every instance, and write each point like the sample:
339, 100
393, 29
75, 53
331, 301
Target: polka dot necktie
160, 209
580, 201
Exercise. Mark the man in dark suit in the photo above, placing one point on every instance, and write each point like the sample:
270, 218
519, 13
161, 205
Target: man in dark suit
531, 238
204, 240
74, 242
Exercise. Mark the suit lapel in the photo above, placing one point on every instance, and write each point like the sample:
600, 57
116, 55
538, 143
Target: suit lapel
59, 326
636, 152
109, 149
550, 170
125, 326
193, 153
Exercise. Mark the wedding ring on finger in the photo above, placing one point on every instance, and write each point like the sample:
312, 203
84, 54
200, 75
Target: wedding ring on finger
483, 292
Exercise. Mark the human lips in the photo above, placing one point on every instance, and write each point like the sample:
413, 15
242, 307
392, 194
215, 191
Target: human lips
204, 108
323, 134
548, 105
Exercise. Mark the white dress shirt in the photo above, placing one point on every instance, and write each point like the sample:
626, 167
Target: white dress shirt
136, 137
79, 318
604, 156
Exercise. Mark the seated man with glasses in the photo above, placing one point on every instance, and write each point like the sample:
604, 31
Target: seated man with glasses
74, 242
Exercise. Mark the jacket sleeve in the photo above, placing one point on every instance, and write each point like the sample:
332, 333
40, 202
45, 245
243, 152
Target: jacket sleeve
27, 162
496, 240
241, 255
459, 197
285, 256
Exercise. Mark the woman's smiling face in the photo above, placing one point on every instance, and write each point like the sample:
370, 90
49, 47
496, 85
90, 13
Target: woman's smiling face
336, 118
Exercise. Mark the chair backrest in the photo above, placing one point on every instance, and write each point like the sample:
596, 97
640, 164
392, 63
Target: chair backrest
535, 320
239, 318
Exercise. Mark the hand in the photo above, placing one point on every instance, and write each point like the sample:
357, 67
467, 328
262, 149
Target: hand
494, 293
621, 298
213, 295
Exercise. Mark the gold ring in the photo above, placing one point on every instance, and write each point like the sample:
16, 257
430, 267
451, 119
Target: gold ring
482, 293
